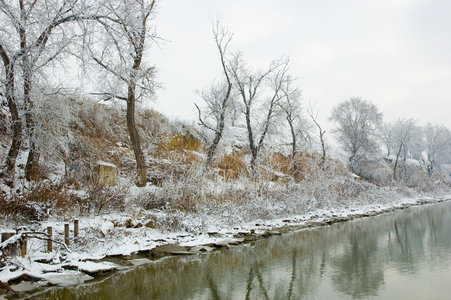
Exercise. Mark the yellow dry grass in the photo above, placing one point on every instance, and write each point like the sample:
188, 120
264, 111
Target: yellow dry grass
277, 162
280, 163
178, 142
232, 166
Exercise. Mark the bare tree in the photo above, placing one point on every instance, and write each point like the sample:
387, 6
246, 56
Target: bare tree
121, 54
290, 105
250, 85
438, 147
217, 97
402, 132
28, 42
358, 121
314, 116
387, 137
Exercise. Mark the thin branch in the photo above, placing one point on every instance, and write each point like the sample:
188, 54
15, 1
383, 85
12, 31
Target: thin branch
44, 237
109, 96
201, 122
110, 70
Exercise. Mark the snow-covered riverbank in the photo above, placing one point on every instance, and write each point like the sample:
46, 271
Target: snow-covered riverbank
130, 237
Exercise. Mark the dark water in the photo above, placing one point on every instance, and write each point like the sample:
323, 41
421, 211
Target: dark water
402, 255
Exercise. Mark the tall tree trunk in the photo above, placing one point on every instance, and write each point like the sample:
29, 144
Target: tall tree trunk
293, 150
17, 126
430, 168
32, 171
396, 162
134, 137
16, 121
323, 147
219, 131
321, 138
252, 147
214, 145
32, 166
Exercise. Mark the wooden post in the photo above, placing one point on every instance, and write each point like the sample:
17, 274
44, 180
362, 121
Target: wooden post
49, 241
23, 250
75, 229
66, 234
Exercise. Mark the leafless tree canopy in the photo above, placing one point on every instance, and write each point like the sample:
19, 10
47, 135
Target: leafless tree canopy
218, 96
34, 34
402, 133
257, 88
314, 116
437, 147
290, 104
358, 121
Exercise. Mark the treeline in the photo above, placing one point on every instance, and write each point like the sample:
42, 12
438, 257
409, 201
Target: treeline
270, 98
363, 135
110, 39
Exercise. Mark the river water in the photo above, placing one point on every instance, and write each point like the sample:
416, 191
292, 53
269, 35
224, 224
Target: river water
401, 255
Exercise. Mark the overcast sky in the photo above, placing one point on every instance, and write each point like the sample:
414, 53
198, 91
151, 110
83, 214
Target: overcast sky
395, 53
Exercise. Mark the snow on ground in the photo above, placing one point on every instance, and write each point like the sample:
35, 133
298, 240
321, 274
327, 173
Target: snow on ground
104, 235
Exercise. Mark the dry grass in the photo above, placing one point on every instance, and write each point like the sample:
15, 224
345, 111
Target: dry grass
45, 197
35, 202
232, 166
179, 142
105, 198
307, 164
48, 193
180, 148
280, 163
228, 195
152, 123
19, 210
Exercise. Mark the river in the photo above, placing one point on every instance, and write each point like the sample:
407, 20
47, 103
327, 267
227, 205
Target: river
401, 255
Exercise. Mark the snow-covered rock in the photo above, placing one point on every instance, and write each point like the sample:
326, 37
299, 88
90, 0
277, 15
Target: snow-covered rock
105, 173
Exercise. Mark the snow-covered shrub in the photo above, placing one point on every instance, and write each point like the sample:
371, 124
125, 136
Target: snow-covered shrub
102, 121
152, 127
414, 176
148, 200
55, 115
17, 209
377, 171
183, 193
101, 198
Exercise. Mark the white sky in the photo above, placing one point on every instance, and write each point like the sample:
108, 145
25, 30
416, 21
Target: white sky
395, 53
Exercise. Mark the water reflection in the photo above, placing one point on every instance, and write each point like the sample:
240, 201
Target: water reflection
367, 258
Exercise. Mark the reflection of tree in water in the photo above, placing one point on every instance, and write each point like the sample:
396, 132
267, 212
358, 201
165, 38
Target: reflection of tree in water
299, 278
358, 270
419, 236
439, 231
293, 274
294, 266
406, 243
307, 276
